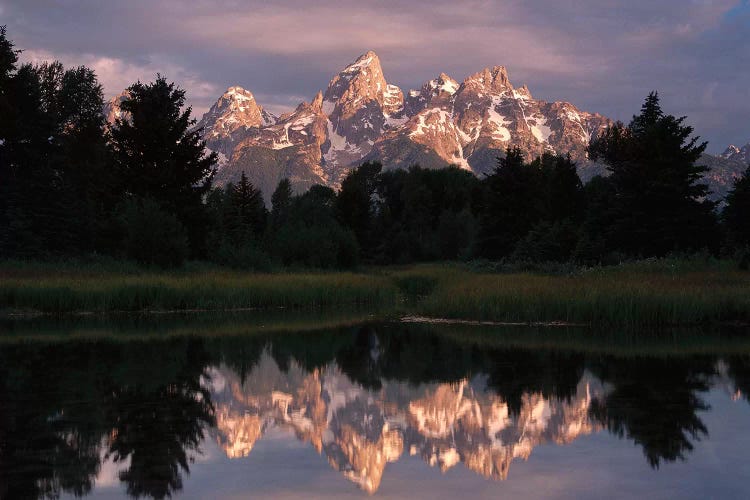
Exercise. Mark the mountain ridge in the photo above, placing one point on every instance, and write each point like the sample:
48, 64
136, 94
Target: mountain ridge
360, 117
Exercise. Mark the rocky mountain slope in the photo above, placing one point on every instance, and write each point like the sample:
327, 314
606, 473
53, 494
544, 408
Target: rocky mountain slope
112, 109
725, 168
733, 153
361, 116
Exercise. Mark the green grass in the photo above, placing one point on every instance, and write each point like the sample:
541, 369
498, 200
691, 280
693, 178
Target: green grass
634, 295
646, 293
51, 292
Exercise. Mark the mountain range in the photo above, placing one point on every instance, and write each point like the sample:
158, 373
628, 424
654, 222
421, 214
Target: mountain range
361, 117
361, 430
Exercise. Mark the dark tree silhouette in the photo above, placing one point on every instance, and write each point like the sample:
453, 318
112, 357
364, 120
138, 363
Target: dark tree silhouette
659, 205
511, 205
247, 214
158, 156
281, 202
355, 204
736, 216
655, 402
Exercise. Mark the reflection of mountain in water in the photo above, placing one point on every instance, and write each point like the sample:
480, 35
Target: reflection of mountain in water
363, 396
361, 430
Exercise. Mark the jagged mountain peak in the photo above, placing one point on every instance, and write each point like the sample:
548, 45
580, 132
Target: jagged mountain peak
443, 83
366, 60
437, 92
360, 81
317, 102
731, 150
360, 117
227, 121
112, 110
737, 154
240, 103
238, 93
493, 80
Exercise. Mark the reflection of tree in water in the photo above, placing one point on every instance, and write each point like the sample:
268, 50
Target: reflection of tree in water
46, 445
552, 374
415, 355
654, 402
60, 401
159, 426
739, 371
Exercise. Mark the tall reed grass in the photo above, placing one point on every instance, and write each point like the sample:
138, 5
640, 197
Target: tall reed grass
213, 290
630, 296
648, 293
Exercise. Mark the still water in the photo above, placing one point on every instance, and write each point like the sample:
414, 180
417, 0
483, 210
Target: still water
378, 408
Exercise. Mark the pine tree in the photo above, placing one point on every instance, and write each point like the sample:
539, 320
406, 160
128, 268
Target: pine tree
247, 213
659, 205
8, 58
563, 189
84, 149
281, 204
158, 156
355, 202
26, 173
512, 203
736, 215
52, 175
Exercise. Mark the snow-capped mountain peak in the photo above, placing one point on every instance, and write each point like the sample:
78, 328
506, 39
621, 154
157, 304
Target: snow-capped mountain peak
361, 117
733, 153
231, 118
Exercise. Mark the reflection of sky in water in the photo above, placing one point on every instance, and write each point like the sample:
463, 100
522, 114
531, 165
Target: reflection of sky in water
593, 466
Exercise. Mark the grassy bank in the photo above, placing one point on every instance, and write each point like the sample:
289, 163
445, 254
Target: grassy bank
633, 295
649, 293
50, 291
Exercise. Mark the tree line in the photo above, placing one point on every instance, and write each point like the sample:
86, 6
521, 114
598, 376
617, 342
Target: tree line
141, 188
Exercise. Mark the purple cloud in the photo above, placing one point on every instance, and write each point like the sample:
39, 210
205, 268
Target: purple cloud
602, 55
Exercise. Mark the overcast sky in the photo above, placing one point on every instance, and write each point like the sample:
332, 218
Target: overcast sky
601, 55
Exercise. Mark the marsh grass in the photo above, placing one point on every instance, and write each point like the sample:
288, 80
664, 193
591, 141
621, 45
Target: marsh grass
647, 293
636, 295
211, 290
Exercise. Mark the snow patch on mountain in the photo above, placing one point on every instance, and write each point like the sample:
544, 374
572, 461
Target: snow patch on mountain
499, 122
539, 128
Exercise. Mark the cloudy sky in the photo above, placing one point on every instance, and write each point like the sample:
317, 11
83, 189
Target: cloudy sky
602, 55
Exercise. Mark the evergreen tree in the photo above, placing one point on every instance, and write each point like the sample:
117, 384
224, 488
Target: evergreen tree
597, 226
736, 216
52, 175
312, 236
512, 203
423, 214
563, 196
355, 202
158, 156
281, 202
659, 205
26, 170
247, 213
90, 192
8, 60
